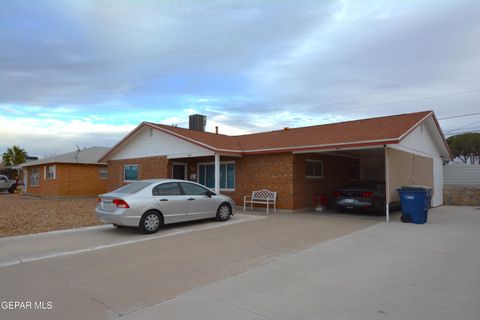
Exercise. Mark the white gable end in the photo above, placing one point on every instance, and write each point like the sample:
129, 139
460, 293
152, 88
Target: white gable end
420, 141
150, 142
426, 141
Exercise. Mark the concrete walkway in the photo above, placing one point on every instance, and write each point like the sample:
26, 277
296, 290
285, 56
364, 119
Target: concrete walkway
387, 271
104, 273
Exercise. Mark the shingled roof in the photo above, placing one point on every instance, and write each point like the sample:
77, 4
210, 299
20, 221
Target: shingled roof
82, 156
365, 132
373, 130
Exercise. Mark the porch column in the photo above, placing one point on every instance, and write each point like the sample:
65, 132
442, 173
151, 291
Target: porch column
387, 187
217, 173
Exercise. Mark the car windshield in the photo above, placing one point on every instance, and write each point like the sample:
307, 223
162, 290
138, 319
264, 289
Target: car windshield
133, 187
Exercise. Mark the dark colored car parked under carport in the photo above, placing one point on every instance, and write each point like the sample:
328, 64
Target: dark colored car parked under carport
364, 195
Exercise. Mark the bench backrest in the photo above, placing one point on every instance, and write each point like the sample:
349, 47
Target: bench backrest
264, 195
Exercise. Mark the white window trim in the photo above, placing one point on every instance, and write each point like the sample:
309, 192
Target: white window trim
100, 173
38, 178
184, 164
315, 161
221, 162
54, 172
129, 165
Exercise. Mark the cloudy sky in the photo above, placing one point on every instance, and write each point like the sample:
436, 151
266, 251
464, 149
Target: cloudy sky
82, 72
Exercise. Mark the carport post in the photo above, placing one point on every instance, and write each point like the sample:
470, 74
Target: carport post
387, 187
217, 173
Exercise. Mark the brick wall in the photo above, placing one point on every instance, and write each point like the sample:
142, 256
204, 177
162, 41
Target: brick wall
269, 171
148, 168
265, 171
336, 174
70, 180
280, 172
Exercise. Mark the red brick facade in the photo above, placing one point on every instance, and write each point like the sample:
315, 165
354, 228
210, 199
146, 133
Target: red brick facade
70, 180
148, 168
280, 172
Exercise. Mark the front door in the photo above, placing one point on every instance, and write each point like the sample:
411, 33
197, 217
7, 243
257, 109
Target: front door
178, 171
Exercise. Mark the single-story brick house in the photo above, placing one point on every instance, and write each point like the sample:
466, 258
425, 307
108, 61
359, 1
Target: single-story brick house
75, 173
297, 163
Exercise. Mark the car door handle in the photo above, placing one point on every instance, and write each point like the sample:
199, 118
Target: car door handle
163, 199
190, 199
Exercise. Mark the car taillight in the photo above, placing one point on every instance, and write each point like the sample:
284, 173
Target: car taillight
367, 194
119, 203
98, 201
337, 193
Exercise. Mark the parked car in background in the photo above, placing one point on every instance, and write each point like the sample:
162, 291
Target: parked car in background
148, 204
7, 185
366, 195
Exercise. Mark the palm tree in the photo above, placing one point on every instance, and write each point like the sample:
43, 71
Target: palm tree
14, 156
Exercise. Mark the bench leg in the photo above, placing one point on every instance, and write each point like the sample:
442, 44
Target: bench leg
268, 205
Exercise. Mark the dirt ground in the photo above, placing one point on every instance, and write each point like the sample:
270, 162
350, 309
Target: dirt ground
24, 215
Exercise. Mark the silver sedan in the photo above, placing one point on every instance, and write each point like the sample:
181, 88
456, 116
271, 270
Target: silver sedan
148, 204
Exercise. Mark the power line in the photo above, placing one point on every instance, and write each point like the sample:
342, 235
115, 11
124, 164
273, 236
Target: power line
398, 101
457, 133
460, 116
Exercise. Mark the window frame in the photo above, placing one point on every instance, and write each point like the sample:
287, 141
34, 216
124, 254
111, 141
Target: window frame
307, 161
207, 190
105, 168
124, 175
37, 170
180, 189
226, 175
47, 172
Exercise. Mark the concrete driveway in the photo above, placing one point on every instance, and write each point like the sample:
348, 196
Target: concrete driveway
286, 266
386, 271
102, 272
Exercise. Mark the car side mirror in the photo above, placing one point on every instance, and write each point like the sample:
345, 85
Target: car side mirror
209, 194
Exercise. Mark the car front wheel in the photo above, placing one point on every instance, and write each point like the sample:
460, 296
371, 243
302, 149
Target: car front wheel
224, 212
150, 223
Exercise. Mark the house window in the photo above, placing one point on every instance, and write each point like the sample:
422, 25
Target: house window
34, 176
51, 172
130, 172
103, 173
314, 169
206, 175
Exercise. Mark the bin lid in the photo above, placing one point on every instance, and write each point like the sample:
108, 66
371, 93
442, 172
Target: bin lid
416, 187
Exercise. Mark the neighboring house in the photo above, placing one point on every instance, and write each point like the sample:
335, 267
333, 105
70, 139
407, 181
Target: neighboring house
12, 172
75, 173
297, 163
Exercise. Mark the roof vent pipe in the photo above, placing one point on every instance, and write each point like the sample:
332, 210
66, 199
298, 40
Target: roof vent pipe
216, 129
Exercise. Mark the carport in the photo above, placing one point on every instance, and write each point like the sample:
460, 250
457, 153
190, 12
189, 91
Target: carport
396, 167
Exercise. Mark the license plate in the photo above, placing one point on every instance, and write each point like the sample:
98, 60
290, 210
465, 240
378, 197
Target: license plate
348, 200
107, 205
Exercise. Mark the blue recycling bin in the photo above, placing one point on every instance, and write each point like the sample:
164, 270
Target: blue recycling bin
415, 203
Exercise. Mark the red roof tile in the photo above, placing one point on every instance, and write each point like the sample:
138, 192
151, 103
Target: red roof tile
375, 131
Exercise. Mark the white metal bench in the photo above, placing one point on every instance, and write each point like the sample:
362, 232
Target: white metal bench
261, 197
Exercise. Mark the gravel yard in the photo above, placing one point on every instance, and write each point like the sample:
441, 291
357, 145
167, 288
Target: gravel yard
25, 215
